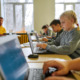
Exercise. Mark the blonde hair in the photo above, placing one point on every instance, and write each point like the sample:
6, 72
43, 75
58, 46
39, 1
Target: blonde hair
71, 15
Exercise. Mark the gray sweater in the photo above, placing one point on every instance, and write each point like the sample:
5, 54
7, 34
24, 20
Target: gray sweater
67, 43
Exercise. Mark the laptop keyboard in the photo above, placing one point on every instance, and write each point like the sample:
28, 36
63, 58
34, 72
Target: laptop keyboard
38, 50
36, 74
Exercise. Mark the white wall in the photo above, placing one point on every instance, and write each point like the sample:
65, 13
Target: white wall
0, 7
44, 12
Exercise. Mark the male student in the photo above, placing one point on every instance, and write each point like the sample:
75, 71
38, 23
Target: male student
56, 26
46, 30
2, 29
63, 68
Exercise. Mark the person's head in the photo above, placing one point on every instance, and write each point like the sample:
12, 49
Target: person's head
1, 21
45, 28
68, 19
56, 25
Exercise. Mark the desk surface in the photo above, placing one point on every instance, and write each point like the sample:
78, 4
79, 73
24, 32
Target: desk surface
38, 63
43, 57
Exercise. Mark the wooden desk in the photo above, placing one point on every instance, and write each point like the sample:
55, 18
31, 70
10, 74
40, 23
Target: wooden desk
43, 57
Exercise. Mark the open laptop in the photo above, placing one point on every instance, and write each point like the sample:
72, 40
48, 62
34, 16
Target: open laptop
37, 38
35, 49
13, 65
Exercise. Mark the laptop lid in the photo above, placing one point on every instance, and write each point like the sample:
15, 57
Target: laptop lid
12, 61
37, 37
31, 43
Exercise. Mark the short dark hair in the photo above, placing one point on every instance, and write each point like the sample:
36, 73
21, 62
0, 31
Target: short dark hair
44, 27
55, 22
1, 17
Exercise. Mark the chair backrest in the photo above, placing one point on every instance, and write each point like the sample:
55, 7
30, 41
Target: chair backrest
23, 38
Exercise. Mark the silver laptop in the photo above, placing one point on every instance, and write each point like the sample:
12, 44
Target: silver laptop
35, 49
37, 38
13, 65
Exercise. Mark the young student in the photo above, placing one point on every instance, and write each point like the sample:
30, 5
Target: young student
68, 42
63, 68
56, 26
2, 29
46, 30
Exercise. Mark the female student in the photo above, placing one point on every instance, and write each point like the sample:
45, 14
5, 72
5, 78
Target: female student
69, 40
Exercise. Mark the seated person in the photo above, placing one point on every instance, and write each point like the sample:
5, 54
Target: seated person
46, 30
56, 26
2, 29
68, 43
63, 68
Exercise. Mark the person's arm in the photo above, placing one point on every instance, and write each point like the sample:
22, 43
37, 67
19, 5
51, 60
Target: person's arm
45, 39
74, 64
63, 66
68, 48
55, 42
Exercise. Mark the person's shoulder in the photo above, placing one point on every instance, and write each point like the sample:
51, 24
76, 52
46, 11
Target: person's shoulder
76, 33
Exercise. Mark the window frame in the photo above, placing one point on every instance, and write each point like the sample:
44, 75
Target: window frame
68, 3
23, 11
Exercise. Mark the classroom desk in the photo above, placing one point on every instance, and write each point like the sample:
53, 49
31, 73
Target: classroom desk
38, 63
43, 57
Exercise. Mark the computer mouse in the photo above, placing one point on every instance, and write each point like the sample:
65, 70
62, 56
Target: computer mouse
33, 56
50, 71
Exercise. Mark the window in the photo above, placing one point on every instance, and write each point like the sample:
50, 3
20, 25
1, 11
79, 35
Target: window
63, 5
18, 15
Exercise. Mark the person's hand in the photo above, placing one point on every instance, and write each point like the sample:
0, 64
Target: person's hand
49, 37
58, 78
45, 39
62, 66
40, 35
42, 45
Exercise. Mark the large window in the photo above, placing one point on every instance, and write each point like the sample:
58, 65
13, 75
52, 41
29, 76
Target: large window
63, 5
18, 15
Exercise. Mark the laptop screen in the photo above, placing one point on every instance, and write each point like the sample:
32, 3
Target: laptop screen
37, 37
12, 61
30, 42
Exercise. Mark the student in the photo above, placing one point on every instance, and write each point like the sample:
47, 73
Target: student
63, 68
56, 26
46, 30
2, 29
68, 42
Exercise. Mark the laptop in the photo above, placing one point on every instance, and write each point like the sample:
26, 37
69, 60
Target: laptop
41, 34
37, 38
13, 65
37, 50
